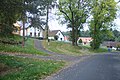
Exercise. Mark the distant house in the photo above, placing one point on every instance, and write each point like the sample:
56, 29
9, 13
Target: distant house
33, 32
56, 34
110, 44
29, 31
67, 38
16, 29
85, 40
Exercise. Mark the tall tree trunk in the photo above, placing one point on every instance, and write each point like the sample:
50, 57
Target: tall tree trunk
23, 19
76, 36
94, 38
73, 34
47, 27
23, 42
73, 30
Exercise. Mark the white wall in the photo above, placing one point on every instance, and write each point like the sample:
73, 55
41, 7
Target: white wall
21, 33
33, 30
51, 38
60, 36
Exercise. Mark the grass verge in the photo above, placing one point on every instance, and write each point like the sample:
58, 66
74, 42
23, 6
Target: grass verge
29, 48
100, 50
15, 68
67, 48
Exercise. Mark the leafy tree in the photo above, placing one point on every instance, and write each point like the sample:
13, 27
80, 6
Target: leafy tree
13, 10
75, 13
49, 5
103, 13
85, 33
116, 34
9, 13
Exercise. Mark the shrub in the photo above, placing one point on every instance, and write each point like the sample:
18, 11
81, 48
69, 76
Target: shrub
80, 41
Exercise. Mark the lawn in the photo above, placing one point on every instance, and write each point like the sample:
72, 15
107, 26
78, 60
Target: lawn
29, 47
100, 50
15, 68
11, 37
67, 48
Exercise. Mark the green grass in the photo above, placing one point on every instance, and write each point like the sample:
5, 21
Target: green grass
100, 50
67, 48
15, 68
62, 47
11, 37
29, 48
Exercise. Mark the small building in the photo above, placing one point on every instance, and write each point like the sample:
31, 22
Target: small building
33, 32
56, 35
111, 44
67, 38
85, 40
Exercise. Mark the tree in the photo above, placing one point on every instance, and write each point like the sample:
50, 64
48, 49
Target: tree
13, 10
103, 13
49, 5
75, 13
9, 13
85, 33
116, 34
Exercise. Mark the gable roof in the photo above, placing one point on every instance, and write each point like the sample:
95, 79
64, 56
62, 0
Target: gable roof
53, 33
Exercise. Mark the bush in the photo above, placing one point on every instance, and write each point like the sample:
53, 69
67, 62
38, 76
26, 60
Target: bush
96, 45
118, 46
80, 41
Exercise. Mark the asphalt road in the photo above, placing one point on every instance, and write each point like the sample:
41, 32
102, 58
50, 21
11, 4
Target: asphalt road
97, 67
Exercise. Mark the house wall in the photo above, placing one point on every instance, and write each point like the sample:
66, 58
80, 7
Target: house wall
51, 38
33, 32
60, 36
85, 40
21, 32
66, 38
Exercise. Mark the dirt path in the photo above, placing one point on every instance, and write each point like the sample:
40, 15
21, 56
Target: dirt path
56, 56
71, 60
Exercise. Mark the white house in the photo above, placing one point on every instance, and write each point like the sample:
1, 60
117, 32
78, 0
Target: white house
33, 32
29, 31
58, 33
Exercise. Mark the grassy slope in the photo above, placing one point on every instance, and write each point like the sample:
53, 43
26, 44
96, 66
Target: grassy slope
66, 48
29, 47
12, 37
14, 68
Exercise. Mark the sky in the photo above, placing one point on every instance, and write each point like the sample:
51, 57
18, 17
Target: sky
55, 25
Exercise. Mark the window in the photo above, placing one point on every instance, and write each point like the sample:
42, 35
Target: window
30, 33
